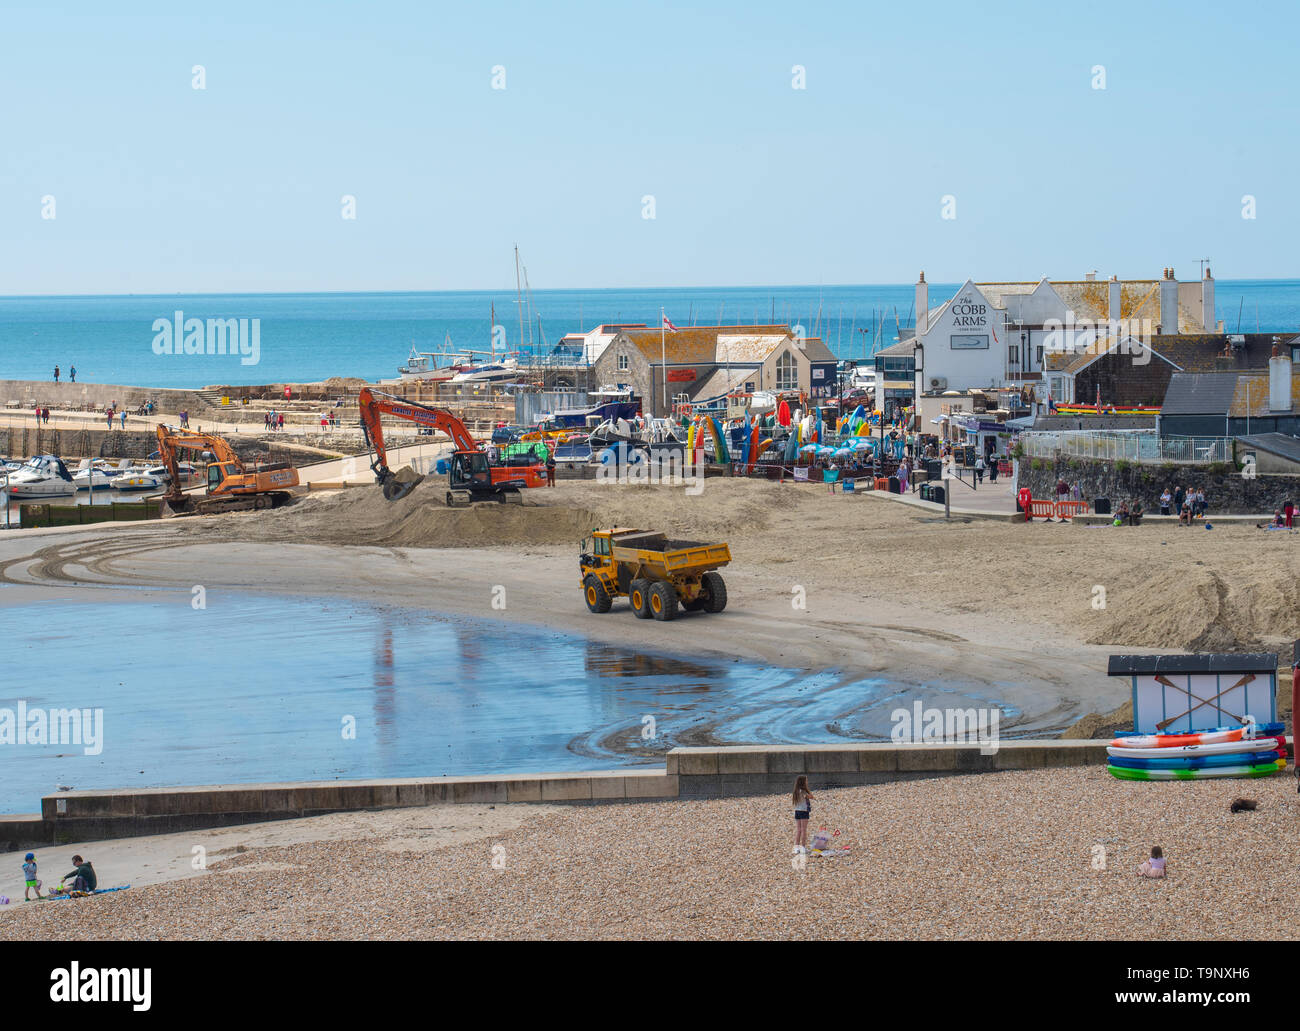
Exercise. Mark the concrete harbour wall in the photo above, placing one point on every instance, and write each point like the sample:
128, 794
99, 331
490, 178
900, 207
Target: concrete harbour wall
687, 773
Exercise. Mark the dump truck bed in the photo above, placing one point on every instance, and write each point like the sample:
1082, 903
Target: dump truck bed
656, 553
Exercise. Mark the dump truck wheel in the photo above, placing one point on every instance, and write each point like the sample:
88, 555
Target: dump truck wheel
663, 601
638, 593
593, 590
714, 591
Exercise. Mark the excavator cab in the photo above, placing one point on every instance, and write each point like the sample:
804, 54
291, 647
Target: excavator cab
469, 469
218, 472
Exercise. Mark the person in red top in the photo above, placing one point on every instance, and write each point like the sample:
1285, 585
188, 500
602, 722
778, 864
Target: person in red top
1288, 513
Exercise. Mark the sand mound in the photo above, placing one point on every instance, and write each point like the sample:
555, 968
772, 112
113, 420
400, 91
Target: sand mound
1200, 611
564, 515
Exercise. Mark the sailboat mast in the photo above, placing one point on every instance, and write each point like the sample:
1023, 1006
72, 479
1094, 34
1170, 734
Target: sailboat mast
519, 298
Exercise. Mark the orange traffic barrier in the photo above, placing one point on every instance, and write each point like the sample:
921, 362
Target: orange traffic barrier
1045, 509
882, 483
1066, 509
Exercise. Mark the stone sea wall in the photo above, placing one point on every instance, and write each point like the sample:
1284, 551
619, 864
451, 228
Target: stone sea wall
1226, 490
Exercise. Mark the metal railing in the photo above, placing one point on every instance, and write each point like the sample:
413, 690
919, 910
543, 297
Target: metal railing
1143, 446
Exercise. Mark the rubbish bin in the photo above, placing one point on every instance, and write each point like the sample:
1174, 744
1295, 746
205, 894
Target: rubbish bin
926, 490
894, 487
937, 495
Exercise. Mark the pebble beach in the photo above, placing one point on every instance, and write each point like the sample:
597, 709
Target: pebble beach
1016, 855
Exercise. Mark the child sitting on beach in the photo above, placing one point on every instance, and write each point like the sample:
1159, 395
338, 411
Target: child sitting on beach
29, 875
802, 812
1155, 866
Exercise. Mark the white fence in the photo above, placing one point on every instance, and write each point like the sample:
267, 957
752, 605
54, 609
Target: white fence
1143, 446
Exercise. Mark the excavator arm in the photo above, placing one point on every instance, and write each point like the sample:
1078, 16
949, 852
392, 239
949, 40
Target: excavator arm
375, 404
232, 484
173, 441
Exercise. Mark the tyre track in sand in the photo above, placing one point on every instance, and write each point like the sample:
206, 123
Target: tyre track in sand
51, 566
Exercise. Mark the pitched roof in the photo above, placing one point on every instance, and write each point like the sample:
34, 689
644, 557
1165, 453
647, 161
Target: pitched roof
1101, 348
1250, 398
900, 349
1281, 444
1199, 393
716, 345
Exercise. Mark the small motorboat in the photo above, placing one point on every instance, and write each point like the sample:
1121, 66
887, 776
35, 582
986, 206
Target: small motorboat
186, 470
42, 476
136, 480
96, 474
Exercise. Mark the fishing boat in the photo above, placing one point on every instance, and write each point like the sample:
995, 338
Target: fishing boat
42, 476
437, 365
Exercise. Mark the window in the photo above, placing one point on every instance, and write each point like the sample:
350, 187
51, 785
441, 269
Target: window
1040, 354
749, 386
787, 372
601, 546
622, 363
1013, 354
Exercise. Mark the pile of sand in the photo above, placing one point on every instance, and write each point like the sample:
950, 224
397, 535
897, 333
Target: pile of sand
565, 515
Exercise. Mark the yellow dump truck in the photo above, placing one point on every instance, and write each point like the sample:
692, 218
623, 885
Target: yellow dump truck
657, 574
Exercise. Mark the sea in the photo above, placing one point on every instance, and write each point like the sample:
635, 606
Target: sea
309, 337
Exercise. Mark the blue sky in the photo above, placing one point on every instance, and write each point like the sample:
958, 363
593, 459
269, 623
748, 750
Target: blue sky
159, 187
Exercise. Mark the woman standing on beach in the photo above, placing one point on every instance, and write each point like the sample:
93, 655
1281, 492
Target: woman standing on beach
802, 812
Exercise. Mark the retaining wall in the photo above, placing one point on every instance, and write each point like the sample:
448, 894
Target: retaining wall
687, 773
1225, 491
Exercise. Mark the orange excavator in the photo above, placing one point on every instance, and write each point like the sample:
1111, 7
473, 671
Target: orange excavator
470, 478
232, 485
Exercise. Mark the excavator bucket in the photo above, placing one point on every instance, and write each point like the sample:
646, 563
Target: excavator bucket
175, 506
399, 484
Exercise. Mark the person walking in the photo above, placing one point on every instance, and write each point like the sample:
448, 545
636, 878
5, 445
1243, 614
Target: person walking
1179, 495
72, 374
979, 470
122, 415
109, 413
280, 417
56, 374
550, 469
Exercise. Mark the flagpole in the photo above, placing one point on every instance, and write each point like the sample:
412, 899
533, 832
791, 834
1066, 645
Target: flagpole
663, 360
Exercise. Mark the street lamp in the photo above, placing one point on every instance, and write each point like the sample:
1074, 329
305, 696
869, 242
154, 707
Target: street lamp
918, 370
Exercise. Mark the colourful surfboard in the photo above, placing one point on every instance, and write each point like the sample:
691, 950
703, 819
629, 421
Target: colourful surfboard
754, 448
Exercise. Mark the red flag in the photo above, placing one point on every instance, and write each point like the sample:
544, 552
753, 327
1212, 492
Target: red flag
668, 324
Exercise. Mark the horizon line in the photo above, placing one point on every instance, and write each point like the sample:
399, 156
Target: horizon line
559, 289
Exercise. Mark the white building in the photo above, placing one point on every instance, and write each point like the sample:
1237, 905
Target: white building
998, 335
